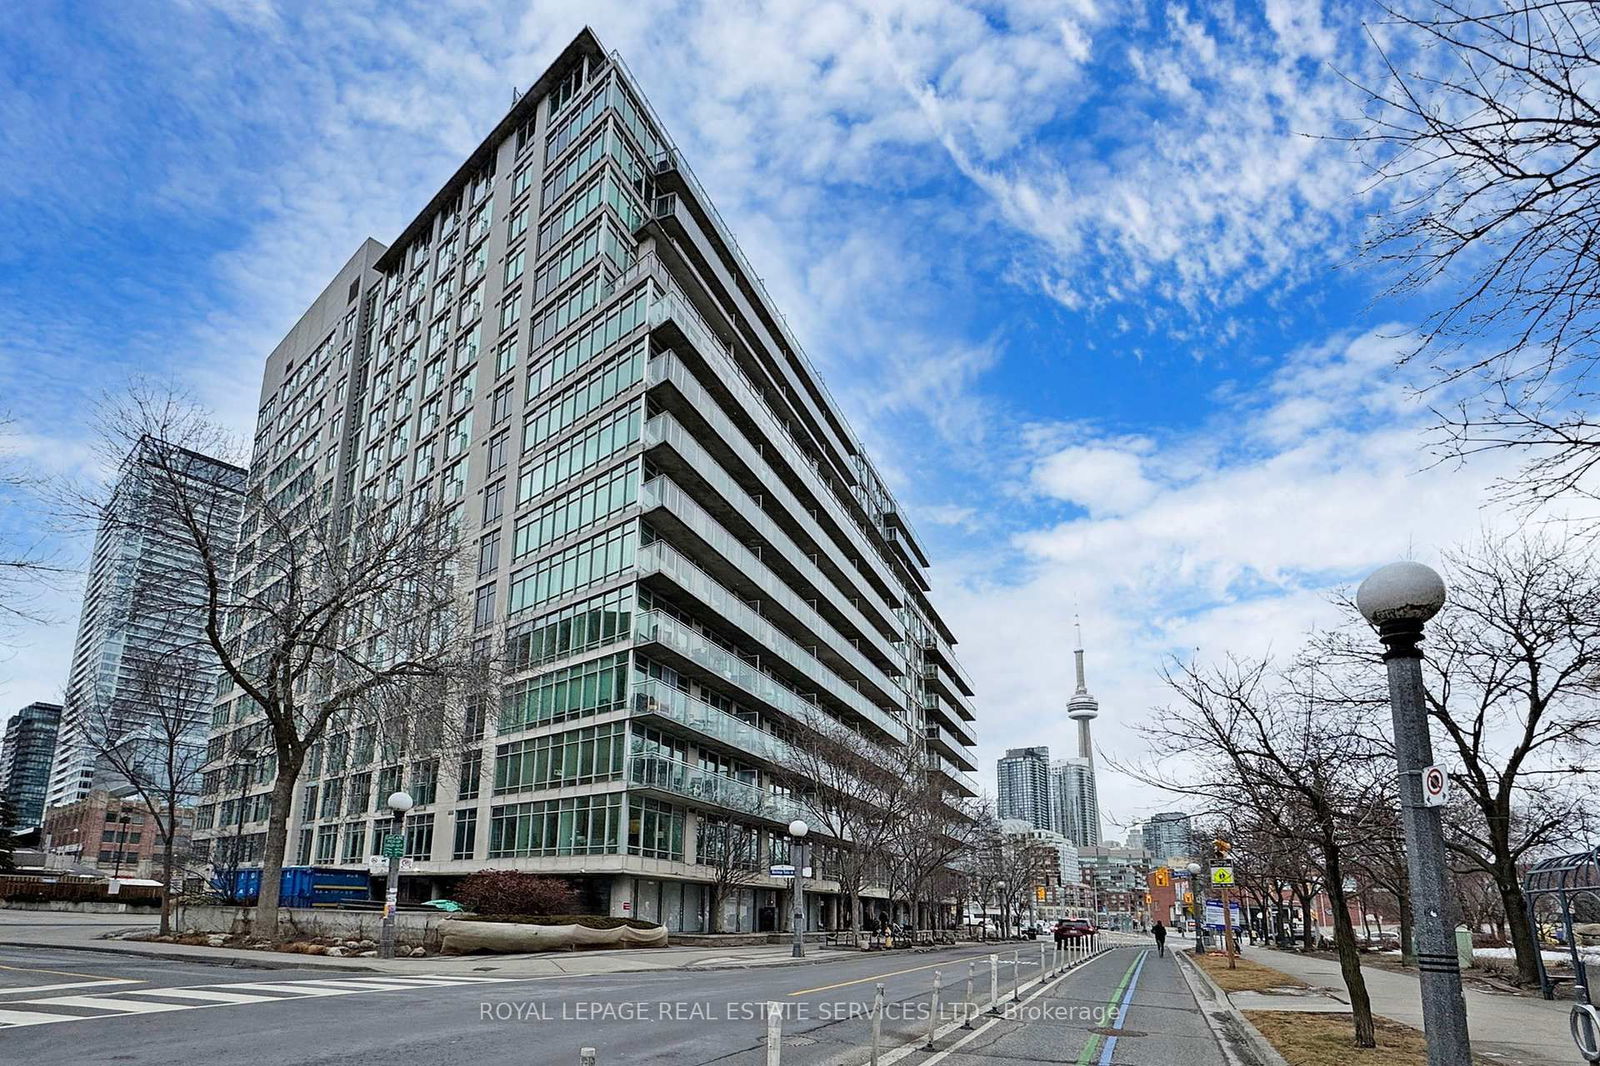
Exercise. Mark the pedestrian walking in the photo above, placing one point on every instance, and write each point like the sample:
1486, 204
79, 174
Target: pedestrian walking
1161, 939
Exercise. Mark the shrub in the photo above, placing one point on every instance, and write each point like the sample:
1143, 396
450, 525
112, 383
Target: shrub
508, 892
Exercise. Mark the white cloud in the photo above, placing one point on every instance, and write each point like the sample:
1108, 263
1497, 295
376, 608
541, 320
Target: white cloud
1256, 518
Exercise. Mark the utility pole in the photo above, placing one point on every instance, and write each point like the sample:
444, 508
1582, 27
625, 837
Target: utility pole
1398, 599
797, 832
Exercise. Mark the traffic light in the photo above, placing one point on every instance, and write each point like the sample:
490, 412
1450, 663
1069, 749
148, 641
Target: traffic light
1223, 847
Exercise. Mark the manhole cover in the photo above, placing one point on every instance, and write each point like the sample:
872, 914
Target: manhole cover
795, 1041
1107, 1031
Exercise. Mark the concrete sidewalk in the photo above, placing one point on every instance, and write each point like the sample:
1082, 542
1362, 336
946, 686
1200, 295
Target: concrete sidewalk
103, 932
1521, 1030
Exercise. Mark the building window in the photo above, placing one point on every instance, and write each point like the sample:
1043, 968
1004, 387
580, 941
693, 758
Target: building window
494, 502
488, 554
576, 825
576, 757
483, 607
327, 842
466, 836
497, 452
577, 691
500, 403
425, 782
655, 829
419, 836
469, 779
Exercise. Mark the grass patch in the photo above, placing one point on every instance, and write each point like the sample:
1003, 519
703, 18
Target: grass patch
587, 921
1306, 1039
1246, 976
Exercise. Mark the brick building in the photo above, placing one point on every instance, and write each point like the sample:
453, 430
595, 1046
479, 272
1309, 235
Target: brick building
119, 836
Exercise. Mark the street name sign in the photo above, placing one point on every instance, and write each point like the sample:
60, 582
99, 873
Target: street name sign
394, 845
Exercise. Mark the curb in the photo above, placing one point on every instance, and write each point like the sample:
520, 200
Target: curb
1242, 1043
271, 960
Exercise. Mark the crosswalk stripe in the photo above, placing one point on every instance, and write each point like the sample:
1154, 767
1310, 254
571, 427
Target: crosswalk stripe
122, 1006
28, 1017
206, 994
298, 987
123, 1002
69, 984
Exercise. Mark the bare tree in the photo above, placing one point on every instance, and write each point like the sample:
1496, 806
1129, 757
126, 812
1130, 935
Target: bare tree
25, 565
151, 736
732, 850
854, 788
1485, 131
326, 611
1246, 737
935, 830
1512, 682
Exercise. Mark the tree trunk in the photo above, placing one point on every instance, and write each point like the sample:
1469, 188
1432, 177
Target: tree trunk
1522, 938
714, 916
1308, 934
166, 872
1344, 942
266, 920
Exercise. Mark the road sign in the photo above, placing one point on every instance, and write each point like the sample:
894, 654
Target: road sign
394, 845
1222, 875
1435, 786
780, 870
379, 864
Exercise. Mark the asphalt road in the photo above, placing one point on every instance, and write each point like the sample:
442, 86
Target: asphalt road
86, 1008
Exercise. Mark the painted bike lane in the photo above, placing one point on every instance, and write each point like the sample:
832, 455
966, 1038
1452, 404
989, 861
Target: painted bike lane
1130, 1007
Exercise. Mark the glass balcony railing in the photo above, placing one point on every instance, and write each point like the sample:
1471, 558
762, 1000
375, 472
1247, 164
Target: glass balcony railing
712, 657
667, 367
670, 303
964, 782
657, 698
702, 786
663, 492
662, 557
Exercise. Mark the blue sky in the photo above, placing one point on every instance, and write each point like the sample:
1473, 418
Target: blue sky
1085, 275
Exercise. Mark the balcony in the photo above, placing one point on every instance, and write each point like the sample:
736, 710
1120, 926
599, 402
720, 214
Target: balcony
949, 745
737, 565
667, 368
711, 659
679, 780
936, 705
671, 305
953, 776
664, 559
942, 683
655, 699
938, 648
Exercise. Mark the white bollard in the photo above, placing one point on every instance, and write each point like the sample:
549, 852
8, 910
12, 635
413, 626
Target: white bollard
586, 1056
774, 1034
1042, 951
994, 984
877, 1022
933, 1015
967, 1004
1016, 981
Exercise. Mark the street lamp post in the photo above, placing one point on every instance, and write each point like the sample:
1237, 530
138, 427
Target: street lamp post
399, 803
1398, 599
1194, 897
797, 834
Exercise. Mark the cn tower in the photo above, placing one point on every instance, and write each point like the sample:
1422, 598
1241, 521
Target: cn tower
1082, 707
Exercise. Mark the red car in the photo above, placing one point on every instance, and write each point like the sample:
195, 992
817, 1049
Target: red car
1074, 927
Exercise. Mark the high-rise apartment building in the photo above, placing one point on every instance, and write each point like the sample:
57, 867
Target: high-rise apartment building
143, 565
1169, 836
1023, 777
671, 527
26, 753
1074, 802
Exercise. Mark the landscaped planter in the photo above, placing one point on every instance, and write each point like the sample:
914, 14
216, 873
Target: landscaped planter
465, 935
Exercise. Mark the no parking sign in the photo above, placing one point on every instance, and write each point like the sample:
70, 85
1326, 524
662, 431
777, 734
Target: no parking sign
1435, 786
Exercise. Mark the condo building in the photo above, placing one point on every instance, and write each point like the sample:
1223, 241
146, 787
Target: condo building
142, 569
26, 752
1023, 779
672, 530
